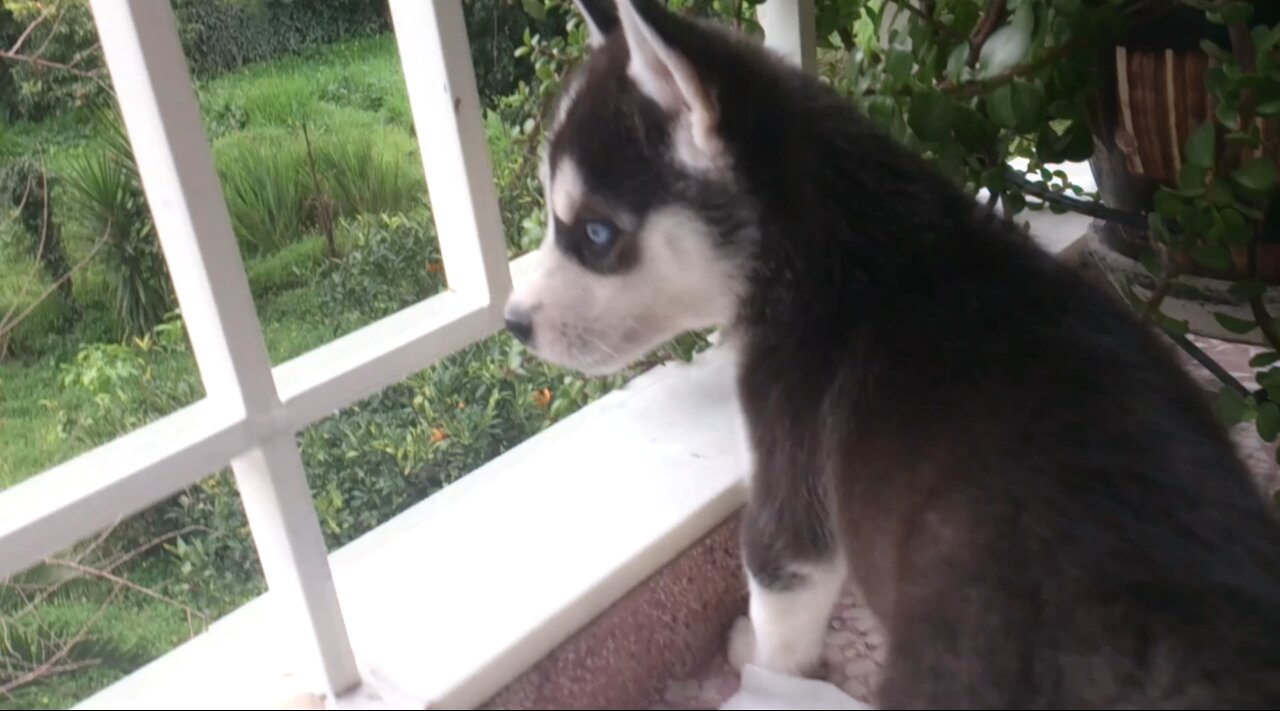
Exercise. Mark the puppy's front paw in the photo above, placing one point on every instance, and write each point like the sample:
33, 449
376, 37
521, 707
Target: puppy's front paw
742, 643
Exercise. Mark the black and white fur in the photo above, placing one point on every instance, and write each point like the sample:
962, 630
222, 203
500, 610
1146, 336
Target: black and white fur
1035, 499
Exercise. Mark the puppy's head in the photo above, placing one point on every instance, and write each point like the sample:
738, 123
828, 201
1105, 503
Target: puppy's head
646, 230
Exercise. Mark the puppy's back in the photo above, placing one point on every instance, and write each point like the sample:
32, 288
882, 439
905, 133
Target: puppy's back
1075, 528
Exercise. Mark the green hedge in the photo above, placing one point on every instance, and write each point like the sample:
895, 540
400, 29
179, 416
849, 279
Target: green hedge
222, 35
217, 35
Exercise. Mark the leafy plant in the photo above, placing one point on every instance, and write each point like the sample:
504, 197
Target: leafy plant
105, 184
369, 170
116, 388
29, 189
57, 65
392, 261
222, 35
273, 196
263, 180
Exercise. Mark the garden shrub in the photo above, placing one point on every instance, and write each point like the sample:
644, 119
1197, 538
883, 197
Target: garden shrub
68, 36
105, 184
273, 196
222, 35
391, 261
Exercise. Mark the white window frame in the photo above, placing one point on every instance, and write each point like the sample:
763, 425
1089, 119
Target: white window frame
252, 410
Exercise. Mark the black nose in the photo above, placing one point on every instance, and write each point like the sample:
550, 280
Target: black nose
520, 325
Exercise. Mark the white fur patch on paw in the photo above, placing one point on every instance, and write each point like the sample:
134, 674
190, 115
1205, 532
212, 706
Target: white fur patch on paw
742, 643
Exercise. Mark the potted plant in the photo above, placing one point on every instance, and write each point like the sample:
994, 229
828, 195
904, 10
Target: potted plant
1175, 105
1186, 134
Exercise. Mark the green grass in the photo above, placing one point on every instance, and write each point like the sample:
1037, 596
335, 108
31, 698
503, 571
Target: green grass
28, 430
128, 633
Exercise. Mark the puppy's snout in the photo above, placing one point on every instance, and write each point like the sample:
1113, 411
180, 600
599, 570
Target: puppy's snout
519, 323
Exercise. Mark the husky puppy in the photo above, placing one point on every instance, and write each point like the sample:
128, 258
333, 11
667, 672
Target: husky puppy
1032, 495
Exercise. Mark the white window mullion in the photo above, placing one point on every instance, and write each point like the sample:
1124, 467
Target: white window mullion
447, 116
790, 29
144, 55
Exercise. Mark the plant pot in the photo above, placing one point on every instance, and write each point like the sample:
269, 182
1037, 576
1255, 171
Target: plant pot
1151, 97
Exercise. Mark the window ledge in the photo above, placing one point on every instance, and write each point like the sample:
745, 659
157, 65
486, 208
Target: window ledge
457, 596
453, 598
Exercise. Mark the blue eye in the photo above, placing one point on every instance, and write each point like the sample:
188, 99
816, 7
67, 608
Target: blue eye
600, 233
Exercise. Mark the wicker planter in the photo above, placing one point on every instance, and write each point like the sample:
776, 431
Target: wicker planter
1152, 96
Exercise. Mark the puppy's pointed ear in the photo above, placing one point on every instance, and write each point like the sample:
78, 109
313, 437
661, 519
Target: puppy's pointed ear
601, 17
660, 69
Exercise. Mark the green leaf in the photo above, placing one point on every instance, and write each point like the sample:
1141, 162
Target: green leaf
1268, 421
1248, 138
1264, 39
1177, 327
1264, 359
1200, 145
1269, 109
1246, 288
1234, 229
1227, 114
1028, 104
1168, 205
881, 109
973, 130
1231, 406
1233, 324
1213, 50
1236, 13
994, 179
1220, 193
535, 9
1258, 174
1018, 106
1014, 202
1191, 178
1197, 219
956, 62
1215, 79
1270, 381
1073, 145
1216, 227
1000, 107
897, 65
930, 117
1214, 256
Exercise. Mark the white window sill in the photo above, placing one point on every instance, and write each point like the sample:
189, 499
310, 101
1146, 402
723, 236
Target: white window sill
452, 599
457, 596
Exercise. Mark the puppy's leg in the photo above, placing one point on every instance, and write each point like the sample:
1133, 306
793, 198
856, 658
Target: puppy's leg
795, 572
787, 623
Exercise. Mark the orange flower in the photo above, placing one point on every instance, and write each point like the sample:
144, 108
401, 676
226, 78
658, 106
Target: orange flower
437, 435
433, 267
542, 397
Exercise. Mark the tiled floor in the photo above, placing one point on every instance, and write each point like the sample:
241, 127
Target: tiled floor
855, 644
